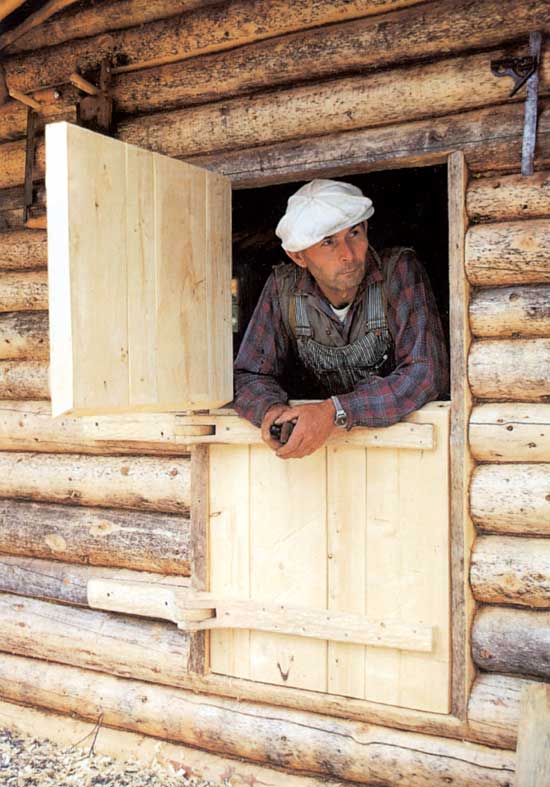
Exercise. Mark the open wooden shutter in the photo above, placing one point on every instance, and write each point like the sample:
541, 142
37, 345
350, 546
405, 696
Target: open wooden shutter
139, 268
350, 529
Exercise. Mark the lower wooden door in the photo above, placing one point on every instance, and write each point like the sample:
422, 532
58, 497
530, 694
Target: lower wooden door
353, 528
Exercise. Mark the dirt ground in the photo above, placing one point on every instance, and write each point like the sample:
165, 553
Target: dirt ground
30, 762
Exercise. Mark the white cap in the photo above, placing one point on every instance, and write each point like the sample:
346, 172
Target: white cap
321, 208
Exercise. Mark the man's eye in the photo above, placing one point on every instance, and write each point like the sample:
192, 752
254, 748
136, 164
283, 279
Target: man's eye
326, 242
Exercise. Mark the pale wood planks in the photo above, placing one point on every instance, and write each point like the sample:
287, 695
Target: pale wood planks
288, 530
288, 557
346, 482
533, 750
147, 258
229, 544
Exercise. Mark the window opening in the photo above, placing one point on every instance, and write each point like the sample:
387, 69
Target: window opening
411, 209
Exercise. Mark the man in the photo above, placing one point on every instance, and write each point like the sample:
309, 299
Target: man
339, 323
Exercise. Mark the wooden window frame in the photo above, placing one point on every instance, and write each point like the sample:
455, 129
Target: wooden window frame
461, 528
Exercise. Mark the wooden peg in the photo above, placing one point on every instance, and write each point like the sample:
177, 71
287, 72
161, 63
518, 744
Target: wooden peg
27, 100
83, 84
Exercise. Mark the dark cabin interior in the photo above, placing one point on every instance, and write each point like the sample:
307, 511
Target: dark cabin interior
410, 210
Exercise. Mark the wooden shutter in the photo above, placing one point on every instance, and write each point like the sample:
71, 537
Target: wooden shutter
354, 529
139, 272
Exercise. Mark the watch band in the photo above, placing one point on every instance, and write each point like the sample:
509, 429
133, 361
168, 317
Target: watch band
340, 416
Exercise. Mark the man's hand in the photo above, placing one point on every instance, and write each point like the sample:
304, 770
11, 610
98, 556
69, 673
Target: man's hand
274, 413
314, 425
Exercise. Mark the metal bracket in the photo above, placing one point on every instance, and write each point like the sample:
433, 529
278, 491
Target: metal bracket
525, 71
95, 110
519, 68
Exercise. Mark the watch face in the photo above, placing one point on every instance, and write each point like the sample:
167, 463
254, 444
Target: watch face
341, 419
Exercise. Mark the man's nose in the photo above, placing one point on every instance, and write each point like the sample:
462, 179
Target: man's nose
346, 252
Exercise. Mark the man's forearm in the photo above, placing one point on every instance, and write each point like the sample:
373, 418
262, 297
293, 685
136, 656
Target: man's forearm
255, 394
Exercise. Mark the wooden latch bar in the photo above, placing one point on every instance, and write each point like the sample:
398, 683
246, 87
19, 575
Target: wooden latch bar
196, 611
194, 429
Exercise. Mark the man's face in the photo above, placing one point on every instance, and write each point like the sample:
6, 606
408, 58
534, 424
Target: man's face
337, 262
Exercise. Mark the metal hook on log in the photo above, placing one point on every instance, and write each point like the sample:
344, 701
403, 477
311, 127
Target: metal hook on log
525, 71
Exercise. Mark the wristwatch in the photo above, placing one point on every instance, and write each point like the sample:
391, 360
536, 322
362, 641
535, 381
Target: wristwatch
340, 416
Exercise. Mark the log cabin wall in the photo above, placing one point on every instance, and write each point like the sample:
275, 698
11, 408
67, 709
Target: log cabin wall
267, 92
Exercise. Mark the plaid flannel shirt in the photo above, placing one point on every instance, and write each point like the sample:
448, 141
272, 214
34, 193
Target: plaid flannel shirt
421, 372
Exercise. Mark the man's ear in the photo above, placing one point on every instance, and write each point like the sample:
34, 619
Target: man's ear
297, 257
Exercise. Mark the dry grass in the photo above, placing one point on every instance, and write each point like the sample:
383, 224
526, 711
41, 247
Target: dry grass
30, 762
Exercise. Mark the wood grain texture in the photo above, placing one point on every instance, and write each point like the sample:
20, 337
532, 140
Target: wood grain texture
22, 249
152, 542
29, 426
511, 311
142, 483
24, 336
23, 291
461, 463
510, 369
515, 641
509, 197
493, 709
167, 225
511, 499
414, 33
100, 641
24, 380
52, 580
286, 520
490, 139
513, 252
313, 743
367, 101
513, 432
533, 750
87, 22
511, 570
68, 731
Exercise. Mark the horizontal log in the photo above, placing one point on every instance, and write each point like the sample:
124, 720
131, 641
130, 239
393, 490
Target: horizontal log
511, 499
82, 23
138, 482
292, 740
512, 432
287, 60
13, 115
98, 537
512, 640
29, 426
493, 709
147, 751
514, 252
23, 291
52, 580
516, 369
511, 570
23, 249
511, 311
101, 641
24, 380
509, 197
24, 335
406, 34
365, 101
490, 138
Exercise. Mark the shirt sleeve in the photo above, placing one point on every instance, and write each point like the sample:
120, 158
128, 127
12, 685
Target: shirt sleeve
421, 372
261, 358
